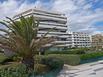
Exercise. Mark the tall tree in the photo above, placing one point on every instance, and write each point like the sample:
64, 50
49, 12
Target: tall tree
21, 38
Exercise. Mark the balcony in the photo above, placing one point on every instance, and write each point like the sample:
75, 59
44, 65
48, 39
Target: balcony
52, 23
48, 13
51, 26
40, 17
51, 32
41, 12
55, 34
64, 45
63, 42
48, 35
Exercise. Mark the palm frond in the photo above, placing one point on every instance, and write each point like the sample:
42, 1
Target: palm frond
22, 37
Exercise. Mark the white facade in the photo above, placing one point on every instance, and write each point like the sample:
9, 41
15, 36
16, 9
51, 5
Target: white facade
79, 39
49, 20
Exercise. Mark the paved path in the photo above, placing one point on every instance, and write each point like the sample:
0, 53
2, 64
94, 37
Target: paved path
94, 69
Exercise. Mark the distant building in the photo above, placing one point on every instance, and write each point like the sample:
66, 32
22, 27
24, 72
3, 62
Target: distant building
79, 39
49, 20
97, 41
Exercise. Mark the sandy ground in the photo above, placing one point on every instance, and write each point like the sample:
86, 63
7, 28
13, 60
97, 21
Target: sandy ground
94, 69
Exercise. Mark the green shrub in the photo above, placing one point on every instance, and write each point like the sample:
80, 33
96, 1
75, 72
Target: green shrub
67, 59
14, 70
52, 62
50, 65
19, 70
71, 51
41, 68
91, 55
16, 58
2, 58
57, 52
1, 51
77, 51
55, 66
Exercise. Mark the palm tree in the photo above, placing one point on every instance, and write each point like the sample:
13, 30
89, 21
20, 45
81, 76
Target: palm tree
21, 37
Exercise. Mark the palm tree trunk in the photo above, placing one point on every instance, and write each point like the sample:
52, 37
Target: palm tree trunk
29, 63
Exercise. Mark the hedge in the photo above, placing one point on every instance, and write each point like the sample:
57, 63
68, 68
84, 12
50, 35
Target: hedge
67, 59
71, 51
91, 55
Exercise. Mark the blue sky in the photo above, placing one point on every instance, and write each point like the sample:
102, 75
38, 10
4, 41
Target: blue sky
83, 15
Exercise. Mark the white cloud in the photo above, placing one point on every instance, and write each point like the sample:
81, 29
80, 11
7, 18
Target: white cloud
12, 7
7, 8
63, 6
80, 15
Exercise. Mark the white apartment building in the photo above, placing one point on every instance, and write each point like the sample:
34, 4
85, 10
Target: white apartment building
79, 39
49, 20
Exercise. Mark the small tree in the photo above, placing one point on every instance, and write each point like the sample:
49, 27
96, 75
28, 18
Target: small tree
21, 38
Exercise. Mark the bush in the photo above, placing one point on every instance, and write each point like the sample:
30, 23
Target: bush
71, 51
2, 58
13, 70
57, 52
77, 51
41, 68
16, 58
1, 51
52, 62
19, 70
91, 55
67, 59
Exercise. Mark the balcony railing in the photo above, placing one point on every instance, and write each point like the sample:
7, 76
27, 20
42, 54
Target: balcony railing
41, 12
51, 32
49, 26
52, 23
